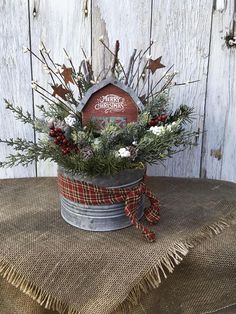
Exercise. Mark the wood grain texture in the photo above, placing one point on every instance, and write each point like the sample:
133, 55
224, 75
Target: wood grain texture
182, 32
15, 78
59, 25
219, 152
126, 21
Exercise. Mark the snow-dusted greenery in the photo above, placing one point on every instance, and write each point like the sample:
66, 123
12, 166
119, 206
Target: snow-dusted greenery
156, 135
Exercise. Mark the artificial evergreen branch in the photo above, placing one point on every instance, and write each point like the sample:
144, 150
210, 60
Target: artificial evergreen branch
26, 117
155, 135
18, 143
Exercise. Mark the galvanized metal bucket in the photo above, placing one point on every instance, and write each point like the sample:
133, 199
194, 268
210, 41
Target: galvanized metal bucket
102, 217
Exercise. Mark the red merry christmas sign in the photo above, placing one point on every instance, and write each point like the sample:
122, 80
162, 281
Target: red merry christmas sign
110, 101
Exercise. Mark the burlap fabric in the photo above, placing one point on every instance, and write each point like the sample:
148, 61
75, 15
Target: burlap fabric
206, 279
205, 282
13, 301
75, 271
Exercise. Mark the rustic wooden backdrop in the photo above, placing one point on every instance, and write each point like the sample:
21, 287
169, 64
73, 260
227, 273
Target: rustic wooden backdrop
190, 34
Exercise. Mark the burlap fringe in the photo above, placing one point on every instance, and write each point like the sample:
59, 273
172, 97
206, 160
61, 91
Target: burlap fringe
172, 258
39, 295
151, 280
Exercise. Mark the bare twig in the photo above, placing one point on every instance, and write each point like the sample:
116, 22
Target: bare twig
115, 59
48, 67
53, 63
158, 82
85, 56
168, 82
85, 70
106, 73
37, 57
68, 57
144, 84
131, 62
90, 70
59, 77
68, 109
46, 91
74, 70
122, 68
136, 71
140, 76
147, 49
186, 83
139, 56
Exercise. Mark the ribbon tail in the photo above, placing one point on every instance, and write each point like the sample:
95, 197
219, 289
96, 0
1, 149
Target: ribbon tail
151, 213
149, 235
130, 211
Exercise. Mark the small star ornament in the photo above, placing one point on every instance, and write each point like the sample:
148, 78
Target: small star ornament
67, 75
153, 65
60, 91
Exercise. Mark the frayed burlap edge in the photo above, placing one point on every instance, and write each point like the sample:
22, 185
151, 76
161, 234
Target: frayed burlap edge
151, 280
173, 257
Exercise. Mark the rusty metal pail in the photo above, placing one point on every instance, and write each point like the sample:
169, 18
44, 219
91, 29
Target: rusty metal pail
102, 217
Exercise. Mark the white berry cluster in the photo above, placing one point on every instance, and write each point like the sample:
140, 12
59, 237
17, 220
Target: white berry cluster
70, 120
157, 129
161, 129
123, 152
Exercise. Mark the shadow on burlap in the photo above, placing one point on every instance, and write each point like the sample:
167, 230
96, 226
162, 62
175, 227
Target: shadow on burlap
74, 271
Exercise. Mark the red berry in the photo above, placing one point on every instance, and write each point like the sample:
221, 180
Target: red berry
56, 141
163, 117
152, 122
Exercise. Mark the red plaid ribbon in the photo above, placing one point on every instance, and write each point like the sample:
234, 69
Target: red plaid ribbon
84, 193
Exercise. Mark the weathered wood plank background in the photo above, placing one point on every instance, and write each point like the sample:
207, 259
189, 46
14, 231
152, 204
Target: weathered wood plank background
190, 34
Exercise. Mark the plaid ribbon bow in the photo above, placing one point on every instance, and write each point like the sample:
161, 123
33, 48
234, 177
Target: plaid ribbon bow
85, 193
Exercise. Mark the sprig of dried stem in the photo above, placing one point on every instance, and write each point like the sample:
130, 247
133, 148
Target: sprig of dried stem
136, 76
